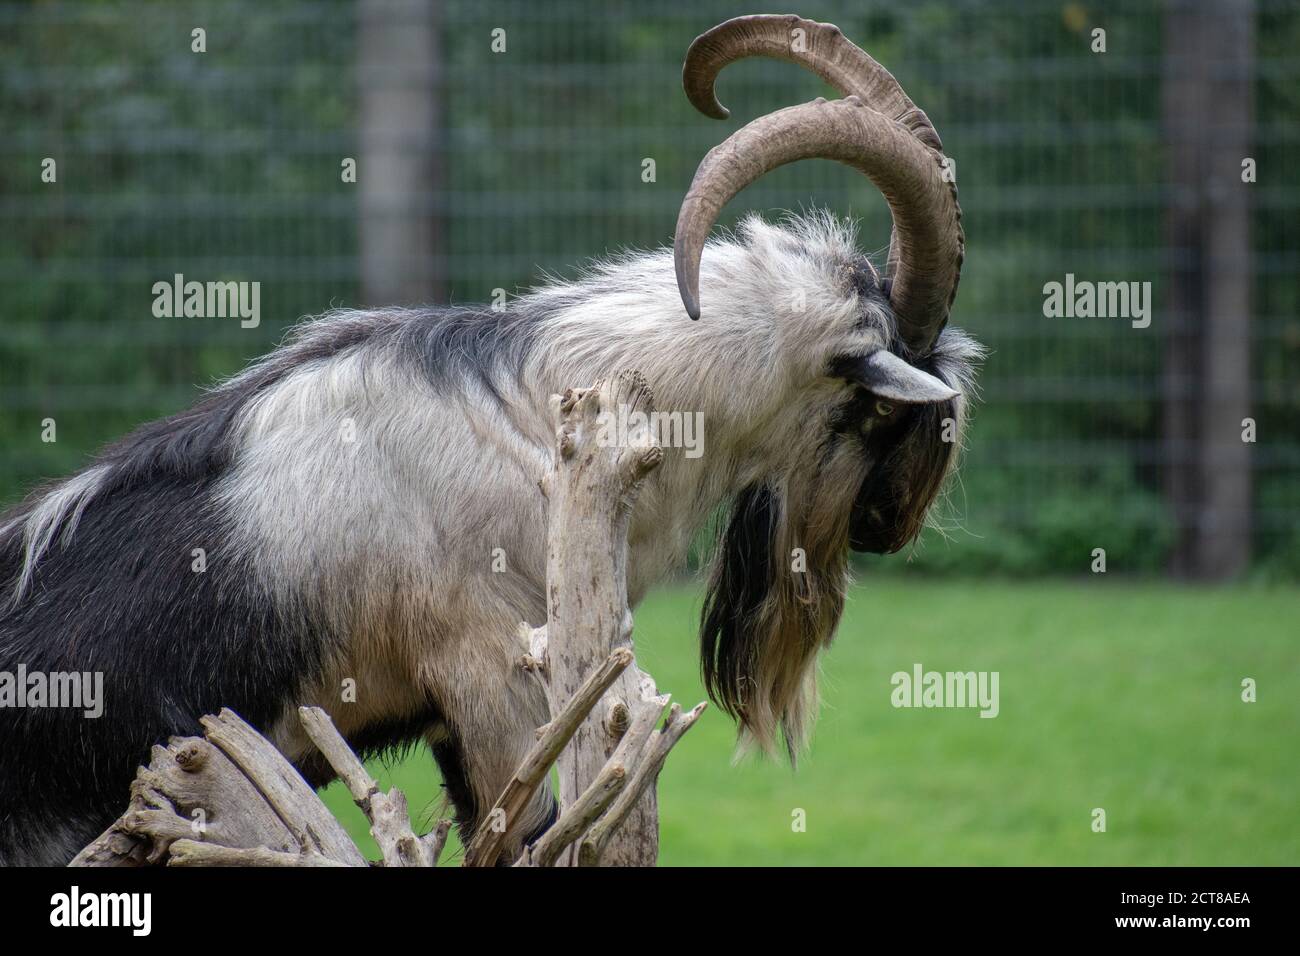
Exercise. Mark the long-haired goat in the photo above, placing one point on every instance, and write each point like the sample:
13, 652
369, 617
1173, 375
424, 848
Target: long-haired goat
351, 490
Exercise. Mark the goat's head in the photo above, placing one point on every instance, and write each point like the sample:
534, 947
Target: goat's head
892, 383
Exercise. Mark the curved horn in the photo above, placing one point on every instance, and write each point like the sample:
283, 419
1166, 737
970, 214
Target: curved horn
926, 222
888, 139
822, 48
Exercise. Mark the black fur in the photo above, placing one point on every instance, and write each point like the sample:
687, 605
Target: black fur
890, 510
171, 644
742, 581
906, 461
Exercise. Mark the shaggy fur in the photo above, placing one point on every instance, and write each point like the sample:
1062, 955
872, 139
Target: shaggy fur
355, 491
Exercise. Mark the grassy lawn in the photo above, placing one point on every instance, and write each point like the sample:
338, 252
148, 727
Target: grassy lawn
1126, 698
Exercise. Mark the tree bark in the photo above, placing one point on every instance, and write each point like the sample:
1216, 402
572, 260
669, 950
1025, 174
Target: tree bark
232, 789
1207, 104
399, 170
591, 492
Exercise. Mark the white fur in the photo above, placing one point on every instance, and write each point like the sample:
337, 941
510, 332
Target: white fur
65, 501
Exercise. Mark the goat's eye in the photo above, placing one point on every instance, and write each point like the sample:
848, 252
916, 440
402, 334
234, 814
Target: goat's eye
884, 409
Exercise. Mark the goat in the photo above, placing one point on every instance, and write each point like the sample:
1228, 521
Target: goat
355, 521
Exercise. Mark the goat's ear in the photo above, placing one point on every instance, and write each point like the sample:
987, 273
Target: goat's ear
890, 377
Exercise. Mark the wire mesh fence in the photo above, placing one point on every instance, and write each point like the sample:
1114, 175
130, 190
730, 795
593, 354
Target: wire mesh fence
225, 165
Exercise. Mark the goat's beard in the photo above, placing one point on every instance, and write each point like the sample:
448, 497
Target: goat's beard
775, 598
781, 571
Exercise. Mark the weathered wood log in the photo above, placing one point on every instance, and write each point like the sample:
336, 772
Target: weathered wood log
653, 755
502, 817
590, 493
229, 789
390, 824
231, 799
613, 753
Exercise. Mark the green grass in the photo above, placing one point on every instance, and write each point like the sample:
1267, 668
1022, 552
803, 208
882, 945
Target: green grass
1116, 696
